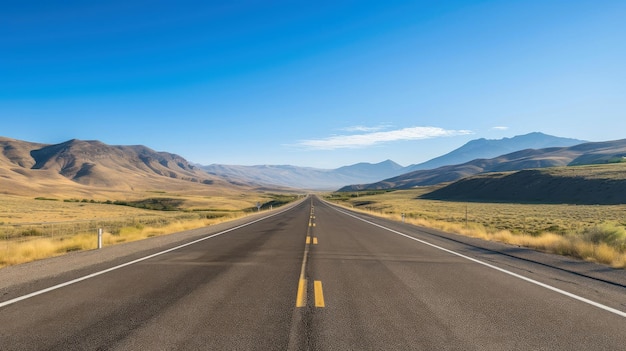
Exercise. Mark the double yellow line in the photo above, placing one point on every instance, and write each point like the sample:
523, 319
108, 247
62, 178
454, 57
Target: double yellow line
318, 290
301, 297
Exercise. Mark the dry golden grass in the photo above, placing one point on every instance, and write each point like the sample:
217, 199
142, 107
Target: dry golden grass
593, 233
19, 210
16, 252
34, 229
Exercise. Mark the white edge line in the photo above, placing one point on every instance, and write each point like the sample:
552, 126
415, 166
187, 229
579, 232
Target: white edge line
546, 286
58, 286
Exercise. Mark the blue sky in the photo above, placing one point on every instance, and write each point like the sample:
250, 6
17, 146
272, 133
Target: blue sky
311, 83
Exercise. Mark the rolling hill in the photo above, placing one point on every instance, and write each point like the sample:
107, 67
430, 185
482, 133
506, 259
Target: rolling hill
587, 153
78, 167
594, 184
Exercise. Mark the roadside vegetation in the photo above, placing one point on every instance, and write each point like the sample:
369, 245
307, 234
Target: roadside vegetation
590, 232
31, 229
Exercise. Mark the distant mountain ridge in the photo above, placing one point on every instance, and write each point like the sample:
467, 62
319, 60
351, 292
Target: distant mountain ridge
362, 173
28, 167
587, 153
489, 148
306, 177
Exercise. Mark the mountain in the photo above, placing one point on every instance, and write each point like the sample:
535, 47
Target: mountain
587, 153
78, 166
305, 177
375, 170
488, 148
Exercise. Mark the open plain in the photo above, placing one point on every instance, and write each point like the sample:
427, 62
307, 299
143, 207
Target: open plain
32, 229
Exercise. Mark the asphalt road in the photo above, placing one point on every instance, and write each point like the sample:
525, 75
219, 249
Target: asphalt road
315, 277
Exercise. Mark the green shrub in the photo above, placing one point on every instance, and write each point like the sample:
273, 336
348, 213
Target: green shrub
46, 198
32, 232
611, 234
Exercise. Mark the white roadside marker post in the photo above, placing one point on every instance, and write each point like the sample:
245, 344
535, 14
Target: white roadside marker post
99, 238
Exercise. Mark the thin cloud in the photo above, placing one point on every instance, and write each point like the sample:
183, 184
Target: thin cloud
374, 138
500, 128
365, 128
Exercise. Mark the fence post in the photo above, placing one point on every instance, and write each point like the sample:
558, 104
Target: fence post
99, 238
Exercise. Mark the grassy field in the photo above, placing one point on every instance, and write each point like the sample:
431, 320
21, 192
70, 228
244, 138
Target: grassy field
589, 232
36, 228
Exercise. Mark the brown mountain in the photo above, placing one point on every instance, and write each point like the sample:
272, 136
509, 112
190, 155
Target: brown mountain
587, 153
87, 167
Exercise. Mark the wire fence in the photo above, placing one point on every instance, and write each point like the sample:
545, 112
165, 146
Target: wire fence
22, 232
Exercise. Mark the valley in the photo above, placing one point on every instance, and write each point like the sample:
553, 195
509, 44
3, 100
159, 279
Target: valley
55, 197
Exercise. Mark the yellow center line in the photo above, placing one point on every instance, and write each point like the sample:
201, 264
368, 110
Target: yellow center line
301, 297
319, 294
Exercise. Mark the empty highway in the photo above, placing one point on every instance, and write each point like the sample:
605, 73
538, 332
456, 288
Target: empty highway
317, 277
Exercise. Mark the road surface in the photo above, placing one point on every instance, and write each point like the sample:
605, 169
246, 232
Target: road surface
317, 277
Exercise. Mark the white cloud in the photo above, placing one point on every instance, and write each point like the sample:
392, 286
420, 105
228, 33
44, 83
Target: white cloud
373, 138
500, 128
366, 129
